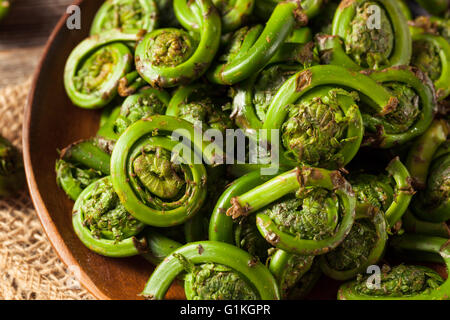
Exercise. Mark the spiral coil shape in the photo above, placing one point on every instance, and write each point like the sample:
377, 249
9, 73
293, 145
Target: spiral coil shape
95, 66
128, 15
358, 42
103, 225
257, 46
169, 57
204, 252
151, 186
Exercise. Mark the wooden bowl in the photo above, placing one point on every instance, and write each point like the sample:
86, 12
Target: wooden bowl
52, 122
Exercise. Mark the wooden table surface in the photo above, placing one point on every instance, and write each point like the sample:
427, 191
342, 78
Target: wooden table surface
23, 34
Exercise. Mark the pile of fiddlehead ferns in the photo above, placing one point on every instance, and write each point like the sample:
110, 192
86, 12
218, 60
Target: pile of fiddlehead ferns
357, 92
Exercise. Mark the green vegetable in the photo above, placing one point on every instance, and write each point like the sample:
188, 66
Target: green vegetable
314, 222
145, 103
201, 103
211, 266
379, 207
156, 185
95, 66
414, 225
357, 42
12, 175
158, 246
289, 270
221, 225
82, 163
431, 54
405, 282
130, 84
169, 57
211, 281
332, 143
128, 15
431, 174
411, 116
252, 47
107, 122
324, 128
363, 247
326, 91
405, 9
103, 224
252, 97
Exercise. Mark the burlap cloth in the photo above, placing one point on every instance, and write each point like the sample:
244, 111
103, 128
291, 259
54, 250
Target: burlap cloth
29, 267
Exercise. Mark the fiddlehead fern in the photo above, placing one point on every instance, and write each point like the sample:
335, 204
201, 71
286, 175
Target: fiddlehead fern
412, 224
363, 246
201, 103
128, 15
170, 57
289, 270
313, 222
252, 98
234, 13
159, 246
107, 122
318, 128
430, 25
320, 121
102, 223
158, 183
357, 43
431, 172
395, 115
82, 163
130, 84
145, 103
413, 114
211, 268
95, 66
431, 54
405, 282
247, 237
12, 175
216, 282
252, 47
221, 225
379, 207
390, 194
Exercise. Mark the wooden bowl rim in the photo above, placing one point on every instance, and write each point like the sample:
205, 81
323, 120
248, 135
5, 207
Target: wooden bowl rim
49, 227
